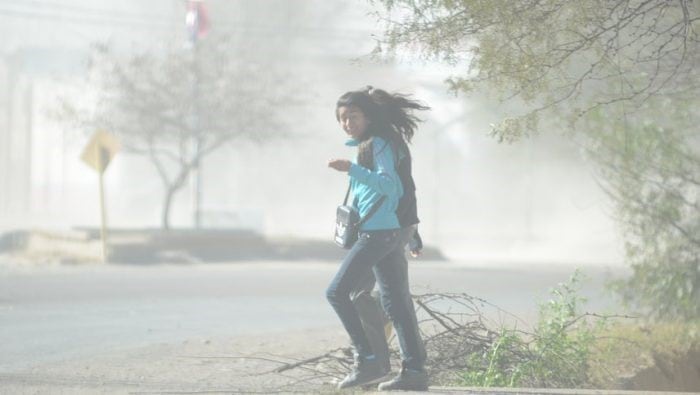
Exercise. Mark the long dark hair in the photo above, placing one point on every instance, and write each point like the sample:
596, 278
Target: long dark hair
389, 115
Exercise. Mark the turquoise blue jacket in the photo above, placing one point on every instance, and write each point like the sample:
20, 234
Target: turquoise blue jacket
369, 185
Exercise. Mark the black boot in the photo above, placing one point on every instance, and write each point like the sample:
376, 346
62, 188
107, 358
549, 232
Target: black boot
364, 371
407, 380
375, 324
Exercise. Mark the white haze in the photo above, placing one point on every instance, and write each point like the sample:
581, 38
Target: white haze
480, 201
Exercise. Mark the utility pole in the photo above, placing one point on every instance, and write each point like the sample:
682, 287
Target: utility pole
5, 130
197, 23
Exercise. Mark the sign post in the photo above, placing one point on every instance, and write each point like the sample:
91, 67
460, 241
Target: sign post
98, 154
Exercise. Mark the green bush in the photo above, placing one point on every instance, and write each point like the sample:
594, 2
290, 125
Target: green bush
555, 354
652, 174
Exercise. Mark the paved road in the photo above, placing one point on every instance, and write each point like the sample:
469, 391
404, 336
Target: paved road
50, 313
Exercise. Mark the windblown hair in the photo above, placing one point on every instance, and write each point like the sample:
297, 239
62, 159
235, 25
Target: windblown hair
390, 116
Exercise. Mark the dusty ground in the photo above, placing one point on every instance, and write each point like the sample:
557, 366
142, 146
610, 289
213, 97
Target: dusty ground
201, 328
217, 365
234, 365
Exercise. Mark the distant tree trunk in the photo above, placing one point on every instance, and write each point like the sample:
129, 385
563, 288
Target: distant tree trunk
170, 191
165, 219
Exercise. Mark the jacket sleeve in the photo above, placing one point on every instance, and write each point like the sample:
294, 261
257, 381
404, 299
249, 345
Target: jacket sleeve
383, 179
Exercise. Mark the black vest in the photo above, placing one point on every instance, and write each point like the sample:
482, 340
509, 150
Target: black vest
407, 210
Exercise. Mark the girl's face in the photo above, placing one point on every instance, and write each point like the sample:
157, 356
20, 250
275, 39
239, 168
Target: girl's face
353, 121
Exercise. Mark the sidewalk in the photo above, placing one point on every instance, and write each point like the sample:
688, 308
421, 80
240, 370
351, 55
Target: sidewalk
542, 391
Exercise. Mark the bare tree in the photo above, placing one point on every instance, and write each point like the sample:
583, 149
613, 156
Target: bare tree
162, 105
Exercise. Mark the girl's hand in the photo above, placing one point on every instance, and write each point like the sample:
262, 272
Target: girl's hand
415, 253
340, 164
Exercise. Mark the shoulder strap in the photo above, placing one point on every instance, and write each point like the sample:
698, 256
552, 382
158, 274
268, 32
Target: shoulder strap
372, 210
345, 201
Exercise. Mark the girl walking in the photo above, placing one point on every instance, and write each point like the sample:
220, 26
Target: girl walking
380, 125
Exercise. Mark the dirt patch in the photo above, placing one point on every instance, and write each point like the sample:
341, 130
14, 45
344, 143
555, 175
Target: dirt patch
665, 373
650, 357
229, 365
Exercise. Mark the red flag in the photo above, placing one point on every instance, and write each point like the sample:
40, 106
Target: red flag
196, 20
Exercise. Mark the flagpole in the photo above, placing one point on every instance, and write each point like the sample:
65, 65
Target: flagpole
197, 143
197, 24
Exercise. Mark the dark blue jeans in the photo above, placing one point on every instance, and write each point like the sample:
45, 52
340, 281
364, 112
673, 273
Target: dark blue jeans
379, 255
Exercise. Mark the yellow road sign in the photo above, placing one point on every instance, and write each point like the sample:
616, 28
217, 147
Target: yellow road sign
97, 154
100, 150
